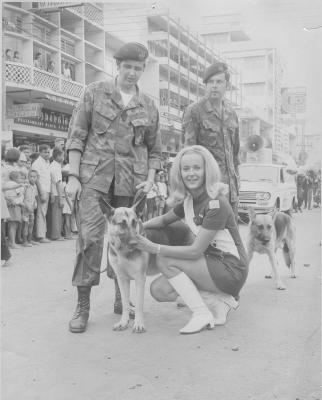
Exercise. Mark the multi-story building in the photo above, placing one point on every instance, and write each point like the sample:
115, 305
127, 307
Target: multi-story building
69, 40
261, 74
40, 95
181, 57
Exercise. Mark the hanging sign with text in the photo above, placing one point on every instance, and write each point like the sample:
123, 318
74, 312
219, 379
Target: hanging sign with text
48, 119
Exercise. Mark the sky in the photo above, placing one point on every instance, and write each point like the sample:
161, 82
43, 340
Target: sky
273, 23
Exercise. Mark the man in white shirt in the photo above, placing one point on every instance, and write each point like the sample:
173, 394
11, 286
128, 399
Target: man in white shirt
56, 196
42, 166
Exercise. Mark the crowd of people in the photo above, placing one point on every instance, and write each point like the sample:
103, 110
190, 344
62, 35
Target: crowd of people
35, 206
308, 189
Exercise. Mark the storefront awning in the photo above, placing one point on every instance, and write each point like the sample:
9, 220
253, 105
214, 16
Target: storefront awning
62, 100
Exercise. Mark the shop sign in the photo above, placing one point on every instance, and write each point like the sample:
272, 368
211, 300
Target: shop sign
293, 100
24, 110
63, 100
48, 119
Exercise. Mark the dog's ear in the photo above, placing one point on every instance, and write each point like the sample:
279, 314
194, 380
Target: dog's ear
106, 208
251, 213
139, 203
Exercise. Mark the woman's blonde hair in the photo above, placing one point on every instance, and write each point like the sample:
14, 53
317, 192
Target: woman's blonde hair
213, 186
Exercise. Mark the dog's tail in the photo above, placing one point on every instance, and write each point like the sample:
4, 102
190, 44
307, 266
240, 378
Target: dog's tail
286, 254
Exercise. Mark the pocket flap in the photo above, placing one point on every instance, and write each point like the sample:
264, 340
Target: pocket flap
100, 131
210, 125
140, 167
105, 111
140, 122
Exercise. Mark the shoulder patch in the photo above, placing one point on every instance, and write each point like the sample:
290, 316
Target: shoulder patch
214, 204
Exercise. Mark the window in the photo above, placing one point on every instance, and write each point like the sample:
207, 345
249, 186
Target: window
67, 46
42, 33
18, 23
255, 173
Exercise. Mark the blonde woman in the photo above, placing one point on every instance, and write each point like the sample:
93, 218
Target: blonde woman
213, 259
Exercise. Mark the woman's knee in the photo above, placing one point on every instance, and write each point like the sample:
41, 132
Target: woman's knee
155, 291
161, 290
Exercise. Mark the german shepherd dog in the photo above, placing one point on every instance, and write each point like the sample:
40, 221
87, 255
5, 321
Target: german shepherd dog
129, 263
267, 233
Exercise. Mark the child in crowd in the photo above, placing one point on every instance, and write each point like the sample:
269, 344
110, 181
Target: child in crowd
30, 205
22, 167
67, 209
5, 251
162, 193
15, 198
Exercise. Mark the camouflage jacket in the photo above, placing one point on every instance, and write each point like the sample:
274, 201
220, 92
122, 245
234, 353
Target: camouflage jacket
203, 125
115, 141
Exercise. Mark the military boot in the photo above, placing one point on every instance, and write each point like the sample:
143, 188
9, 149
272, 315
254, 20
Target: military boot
79, 320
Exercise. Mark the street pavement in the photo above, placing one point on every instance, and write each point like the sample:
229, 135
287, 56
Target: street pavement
268, 350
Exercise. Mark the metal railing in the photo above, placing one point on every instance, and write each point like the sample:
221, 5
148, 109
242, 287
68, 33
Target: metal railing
25, 75
45, 79
87, 10
93, 14
71, 88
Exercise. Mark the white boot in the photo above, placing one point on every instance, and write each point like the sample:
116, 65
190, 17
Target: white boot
223, 303
201, 317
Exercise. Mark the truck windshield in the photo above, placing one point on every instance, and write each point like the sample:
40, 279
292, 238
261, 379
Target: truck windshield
255, 173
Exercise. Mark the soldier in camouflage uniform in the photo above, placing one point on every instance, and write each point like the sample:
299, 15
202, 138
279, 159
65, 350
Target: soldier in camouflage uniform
114, 149
213, 124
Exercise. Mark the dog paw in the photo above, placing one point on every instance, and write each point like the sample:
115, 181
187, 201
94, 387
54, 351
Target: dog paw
294, 276
138, 327
121, 326
268, 276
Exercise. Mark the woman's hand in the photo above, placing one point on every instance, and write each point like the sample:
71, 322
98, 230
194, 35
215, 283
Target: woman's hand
146, 245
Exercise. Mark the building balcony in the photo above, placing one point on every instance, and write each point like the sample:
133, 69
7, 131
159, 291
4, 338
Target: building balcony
181, 47
91, 12
175, 89
28, 77
176, 68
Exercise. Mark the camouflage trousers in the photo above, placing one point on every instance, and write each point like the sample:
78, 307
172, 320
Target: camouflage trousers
91, 225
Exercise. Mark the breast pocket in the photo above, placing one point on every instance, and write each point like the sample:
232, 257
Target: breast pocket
103, 118
209, 134
140, 128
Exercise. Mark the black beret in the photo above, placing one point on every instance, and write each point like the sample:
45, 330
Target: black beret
132, 51
214, 69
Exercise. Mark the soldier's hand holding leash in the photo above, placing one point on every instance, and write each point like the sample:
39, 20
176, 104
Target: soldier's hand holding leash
145, 186
73, 188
